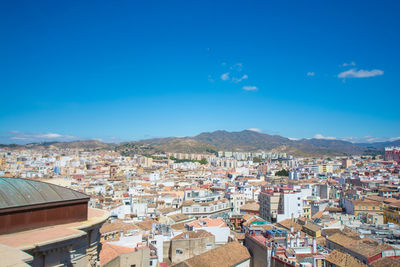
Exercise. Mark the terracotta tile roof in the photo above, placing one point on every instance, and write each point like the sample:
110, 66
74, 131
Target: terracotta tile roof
312, 227
187, 203
366, 246
252, 206
117, 225
341, 259
166, 210
178, 217
386, 262
318, 215
228, 255
146, 225
333, 209
288, 223
342, 240
208, 222
330, 231
192, 235
109, 252
178, 226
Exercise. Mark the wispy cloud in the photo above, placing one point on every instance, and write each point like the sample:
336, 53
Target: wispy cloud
250, 88
354, 139
255, 130
238, 80
348, 64
353, 73
310, 73
235, 75
225, 76
38, 137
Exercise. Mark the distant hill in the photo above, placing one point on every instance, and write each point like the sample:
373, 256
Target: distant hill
380, 145
212, 142
85, 144
248, 141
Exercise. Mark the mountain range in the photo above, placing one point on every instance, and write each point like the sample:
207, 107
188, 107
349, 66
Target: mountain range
211, 142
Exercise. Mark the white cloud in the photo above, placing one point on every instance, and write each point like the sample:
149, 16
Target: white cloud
293, 138
255, 130
349, 64
49, 135
353, 73
210, 79
310, 73
38, 137
250, 88
238, 80
320, 136
225, 76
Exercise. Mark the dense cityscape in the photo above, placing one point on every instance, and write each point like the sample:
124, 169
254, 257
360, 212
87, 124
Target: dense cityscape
180, 209
199, 133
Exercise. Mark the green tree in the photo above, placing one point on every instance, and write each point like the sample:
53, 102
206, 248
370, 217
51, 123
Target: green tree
203, 161
282, 172
257, 160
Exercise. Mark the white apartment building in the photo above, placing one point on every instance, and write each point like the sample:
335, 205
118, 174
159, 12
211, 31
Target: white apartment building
277, 204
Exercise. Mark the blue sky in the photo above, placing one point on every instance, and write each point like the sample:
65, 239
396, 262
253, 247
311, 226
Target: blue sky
129, 70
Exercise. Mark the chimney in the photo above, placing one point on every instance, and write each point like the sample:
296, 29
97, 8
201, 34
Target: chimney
314, 245
291, 229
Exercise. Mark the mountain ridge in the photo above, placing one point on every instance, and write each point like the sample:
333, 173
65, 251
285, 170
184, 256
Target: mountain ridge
221, 140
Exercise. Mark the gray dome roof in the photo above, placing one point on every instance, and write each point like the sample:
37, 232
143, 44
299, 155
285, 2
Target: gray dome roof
17, 192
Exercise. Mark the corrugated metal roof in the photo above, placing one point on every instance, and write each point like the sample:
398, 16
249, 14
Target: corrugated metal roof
17, 192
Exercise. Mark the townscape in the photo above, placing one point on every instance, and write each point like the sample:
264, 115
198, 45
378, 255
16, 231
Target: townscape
199, 133
222, 209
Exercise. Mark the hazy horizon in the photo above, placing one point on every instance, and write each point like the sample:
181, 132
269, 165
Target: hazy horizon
137, 70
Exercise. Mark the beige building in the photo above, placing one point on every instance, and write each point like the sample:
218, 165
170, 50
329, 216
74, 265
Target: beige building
187, 245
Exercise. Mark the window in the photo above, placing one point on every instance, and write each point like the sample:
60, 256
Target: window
151, 263
209, 246
179, 251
